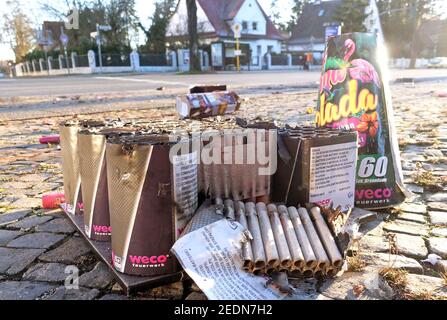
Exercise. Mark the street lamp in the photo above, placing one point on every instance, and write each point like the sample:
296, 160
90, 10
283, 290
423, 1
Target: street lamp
100, 28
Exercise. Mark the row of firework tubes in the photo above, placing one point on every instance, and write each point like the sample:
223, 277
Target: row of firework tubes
285, 239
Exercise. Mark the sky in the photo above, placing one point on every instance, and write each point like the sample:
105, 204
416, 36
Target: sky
144, 9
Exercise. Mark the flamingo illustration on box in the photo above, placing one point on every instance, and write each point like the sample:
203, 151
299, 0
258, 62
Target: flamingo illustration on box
360, 69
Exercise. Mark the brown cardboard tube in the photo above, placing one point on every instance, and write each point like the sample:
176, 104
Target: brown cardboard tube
280, 238
317, 246
318, 273
292, 241
308, 253
307, 272
247, 253
326, 238
331, 271
271, 252
229, 209
259, 260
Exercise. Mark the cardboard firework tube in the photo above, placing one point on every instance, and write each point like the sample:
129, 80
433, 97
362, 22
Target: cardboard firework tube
326, 238
229, 209
280, 238
143, 205
331, 271
306, 248
247, 252
259, 259
292, 241
219, 206
70, 165
93, 172
308, 272
268, 238
317, 246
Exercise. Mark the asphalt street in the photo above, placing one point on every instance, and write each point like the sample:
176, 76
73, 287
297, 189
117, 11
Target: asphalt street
118, 83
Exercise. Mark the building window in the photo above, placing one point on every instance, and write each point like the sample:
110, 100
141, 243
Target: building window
269, 49
321, 13
244, 25
255, 25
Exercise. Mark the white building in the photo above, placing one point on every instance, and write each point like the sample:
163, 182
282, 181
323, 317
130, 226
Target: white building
215, 19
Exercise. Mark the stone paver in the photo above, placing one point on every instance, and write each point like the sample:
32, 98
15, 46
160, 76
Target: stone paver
49, 272
437, 206
411, 246
13, 261
13, 216
343, 287
411, 217
438, 197
23, 290
8, 235
414, 229
27, 203
40, 240
69, 252
439, 232
56, 226
171, 291
196, 296
418, 284
29, 223
385, 260
414, 208
100, 277
61, 293
438, 246
438, 218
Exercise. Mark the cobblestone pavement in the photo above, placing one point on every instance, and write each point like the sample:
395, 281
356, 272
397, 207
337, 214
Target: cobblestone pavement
36, 245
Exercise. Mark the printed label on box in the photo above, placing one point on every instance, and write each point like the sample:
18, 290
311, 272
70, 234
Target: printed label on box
332, 175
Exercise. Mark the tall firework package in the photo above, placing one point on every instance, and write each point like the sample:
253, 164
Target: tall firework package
354, 94
152, 196
70, 165
93, 171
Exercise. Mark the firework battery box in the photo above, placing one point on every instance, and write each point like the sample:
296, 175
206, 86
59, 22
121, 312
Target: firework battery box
93, 172
207, 104
241, 166
70, 161
316, 166
355, 94
152, 196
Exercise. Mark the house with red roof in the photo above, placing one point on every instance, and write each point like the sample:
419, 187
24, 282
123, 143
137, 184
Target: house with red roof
215, 18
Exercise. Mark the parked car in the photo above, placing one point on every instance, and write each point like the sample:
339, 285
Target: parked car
438, 62
2, 75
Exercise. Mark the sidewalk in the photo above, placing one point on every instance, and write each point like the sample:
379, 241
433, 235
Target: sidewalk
36, 245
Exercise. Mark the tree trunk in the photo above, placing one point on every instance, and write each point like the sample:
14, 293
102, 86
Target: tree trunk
194, 59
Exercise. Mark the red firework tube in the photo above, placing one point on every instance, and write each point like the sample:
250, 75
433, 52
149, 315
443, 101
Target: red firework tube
50, 139
52, 201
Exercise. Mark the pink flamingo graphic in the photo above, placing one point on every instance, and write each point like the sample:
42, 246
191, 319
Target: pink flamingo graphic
361, 69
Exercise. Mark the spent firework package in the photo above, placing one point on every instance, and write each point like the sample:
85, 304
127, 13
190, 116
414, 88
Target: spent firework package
93, 172
207, 104
152, 196
316, 166
354, 94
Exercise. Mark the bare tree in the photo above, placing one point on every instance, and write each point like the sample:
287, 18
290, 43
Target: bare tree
193, 36
17, 30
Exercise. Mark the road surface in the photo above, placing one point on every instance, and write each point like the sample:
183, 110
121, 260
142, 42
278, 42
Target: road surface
118, 83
